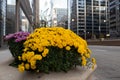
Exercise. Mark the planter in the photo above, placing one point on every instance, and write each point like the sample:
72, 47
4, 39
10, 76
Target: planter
50, 50
16, 48
11, 73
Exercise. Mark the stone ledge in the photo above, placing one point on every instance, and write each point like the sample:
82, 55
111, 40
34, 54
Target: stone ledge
11, 73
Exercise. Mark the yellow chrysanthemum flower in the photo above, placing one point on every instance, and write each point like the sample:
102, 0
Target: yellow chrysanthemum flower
83, 58
87, 55
38, 57
33, 67
67, 48
27, 66
19, 58
44, 54
40, 48
33, 63
21, 68
84, 62
46, 50
24, 57
93, 60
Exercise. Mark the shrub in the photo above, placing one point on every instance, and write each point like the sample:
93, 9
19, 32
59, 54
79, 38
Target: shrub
53, 49
15, 42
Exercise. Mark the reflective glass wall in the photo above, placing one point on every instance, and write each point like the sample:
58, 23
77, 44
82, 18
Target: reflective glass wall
2, 19
73, 13
91, 17
114, 18
10, 16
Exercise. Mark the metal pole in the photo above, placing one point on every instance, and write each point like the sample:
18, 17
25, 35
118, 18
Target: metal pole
51, 13
17, 14
85, 21
69, 17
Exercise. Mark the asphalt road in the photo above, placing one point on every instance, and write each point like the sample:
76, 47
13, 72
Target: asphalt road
108, 62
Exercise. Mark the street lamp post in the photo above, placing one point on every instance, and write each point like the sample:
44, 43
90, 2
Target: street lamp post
85, 34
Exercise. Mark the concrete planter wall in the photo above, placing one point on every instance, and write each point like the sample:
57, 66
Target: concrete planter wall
10, 73
101, 39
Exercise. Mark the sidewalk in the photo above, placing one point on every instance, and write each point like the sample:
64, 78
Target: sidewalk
3, 47
10, 73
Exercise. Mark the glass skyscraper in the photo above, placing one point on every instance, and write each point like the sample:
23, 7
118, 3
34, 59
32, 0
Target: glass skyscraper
114, 8
2, 19
90, 17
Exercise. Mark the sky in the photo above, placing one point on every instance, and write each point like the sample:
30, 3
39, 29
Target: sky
60, 3
56, 3
11, 2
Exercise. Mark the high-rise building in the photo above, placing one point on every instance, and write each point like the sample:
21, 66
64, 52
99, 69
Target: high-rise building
73, 13
90, 17
114, 8
2, 19
61, 16
10, 19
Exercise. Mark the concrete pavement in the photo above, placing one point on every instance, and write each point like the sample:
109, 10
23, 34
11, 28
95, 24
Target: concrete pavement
108, 61
10, 73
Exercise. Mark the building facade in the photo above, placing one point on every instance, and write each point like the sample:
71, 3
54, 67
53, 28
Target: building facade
73, 13
91, 18
114, 17
3, 4
10, 19
61, 16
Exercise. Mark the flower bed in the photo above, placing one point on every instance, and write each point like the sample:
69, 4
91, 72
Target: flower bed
53, 49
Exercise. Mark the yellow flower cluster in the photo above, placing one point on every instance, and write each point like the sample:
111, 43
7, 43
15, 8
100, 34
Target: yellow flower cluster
31, 59
42, 38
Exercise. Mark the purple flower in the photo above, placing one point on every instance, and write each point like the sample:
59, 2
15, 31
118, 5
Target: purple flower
18, 36
9, 36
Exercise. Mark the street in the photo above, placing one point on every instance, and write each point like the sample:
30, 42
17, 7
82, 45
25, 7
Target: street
108, 62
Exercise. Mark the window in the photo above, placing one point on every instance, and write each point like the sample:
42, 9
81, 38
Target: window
113, 11
81, 13
96, 3
112, 4
102, 3
112, 0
